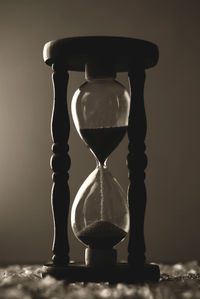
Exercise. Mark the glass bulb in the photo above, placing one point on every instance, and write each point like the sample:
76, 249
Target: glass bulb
100, 215
100, 110
100, 103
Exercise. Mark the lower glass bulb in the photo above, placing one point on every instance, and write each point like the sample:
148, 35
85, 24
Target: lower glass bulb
100, 214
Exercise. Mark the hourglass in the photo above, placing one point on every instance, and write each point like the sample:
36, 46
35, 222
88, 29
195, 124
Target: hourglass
103, 112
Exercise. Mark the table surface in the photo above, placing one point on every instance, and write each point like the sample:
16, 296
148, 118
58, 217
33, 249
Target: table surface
180, 280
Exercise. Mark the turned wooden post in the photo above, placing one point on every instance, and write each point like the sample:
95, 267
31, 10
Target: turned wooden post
137, 162
60, 164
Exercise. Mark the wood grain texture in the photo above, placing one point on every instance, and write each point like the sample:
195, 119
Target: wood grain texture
60, 164
137, 162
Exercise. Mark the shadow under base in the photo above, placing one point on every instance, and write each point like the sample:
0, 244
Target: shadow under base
122, 272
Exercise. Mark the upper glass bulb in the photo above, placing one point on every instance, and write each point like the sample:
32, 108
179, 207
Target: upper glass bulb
101, 102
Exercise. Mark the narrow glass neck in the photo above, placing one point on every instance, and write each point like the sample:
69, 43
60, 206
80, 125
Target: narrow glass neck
98, 164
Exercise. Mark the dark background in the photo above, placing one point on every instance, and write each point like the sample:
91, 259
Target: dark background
172, 107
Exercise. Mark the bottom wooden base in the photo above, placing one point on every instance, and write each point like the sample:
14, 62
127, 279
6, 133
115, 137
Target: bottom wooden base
121, 272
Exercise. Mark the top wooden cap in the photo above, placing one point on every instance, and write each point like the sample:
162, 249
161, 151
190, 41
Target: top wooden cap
124, 53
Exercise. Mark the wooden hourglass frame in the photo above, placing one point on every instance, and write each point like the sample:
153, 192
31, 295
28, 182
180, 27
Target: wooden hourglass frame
127, 55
